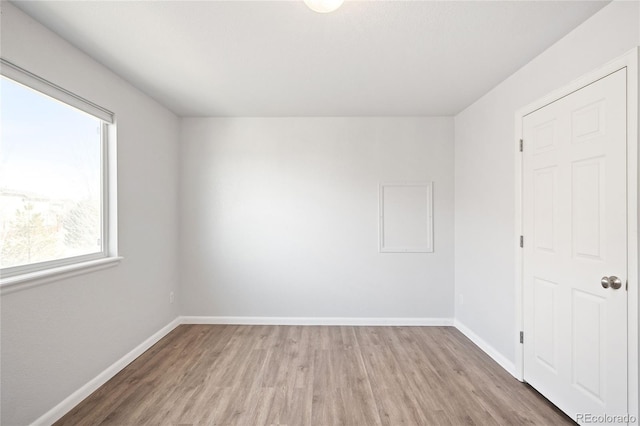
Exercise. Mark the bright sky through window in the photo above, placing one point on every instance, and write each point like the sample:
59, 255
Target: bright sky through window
50, 178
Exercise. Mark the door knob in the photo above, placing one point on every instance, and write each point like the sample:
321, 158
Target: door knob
612, 281
615, 282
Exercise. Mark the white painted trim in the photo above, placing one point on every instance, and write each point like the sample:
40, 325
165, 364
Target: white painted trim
428, 248
487, 348
631, 61
26, 78
633, 238
317, 321
36, 278
519, 320
76, 397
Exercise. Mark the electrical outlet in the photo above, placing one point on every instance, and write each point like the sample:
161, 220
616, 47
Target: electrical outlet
171, 298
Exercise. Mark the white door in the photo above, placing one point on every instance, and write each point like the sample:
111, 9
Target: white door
575, 228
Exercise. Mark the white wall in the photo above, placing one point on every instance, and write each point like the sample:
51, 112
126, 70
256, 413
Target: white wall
58, 336
485, 239
280, 217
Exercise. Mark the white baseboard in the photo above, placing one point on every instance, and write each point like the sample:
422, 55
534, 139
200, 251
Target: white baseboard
318, 321
487, 348
75, 398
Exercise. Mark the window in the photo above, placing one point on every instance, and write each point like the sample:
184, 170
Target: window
54, 195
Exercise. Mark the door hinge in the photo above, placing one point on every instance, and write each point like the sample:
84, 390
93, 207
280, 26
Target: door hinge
521, 145
522, 337
521, 241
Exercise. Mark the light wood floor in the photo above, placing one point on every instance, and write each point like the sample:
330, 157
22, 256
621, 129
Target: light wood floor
308, 375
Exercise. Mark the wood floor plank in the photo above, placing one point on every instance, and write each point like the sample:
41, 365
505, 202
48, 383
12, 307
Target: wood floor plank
313, 375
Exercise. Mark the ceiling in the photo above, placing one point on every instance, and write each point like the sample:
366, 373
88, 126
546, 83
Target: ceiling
278, 58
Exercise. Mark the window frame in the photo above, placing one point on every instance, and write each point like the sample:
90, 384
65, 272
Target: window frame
107, 255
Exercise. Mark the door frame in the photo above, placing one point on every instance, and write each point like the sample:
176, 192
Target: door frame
629, 61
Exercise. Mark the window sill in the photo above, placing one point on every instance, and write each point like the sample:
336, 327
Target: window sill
33, 279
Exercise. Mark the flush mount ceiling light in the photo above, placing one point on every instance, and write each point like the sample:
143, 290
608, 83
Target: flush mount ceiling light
323, 6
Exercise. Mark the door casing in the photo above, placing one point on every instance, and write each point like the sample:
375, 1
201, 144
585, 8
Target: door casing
629, 61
